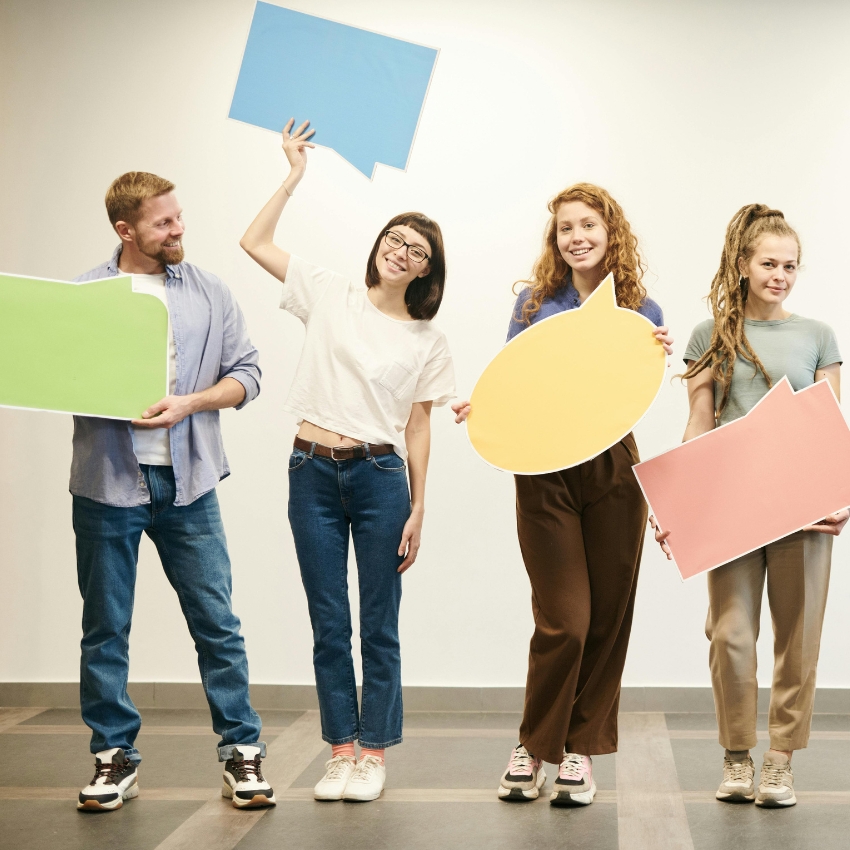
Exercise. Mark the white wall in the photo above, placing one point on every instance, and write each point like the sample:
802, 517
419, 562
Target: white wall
684, 110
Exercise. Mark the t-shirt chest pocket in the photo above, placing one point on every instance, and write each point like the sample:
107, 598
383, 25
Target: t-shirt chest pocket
399, 379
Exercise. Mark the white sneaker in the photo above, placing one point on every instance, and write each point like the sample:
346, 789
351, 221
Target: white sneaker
337, 773
243, 782
115, 780
366, 781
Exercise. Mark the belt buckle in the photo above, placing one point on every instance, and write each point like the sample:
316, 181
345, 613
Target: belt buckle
357, 452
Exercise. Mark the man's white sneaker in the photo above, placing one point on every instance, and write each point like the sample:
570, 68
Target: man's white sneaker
243, 779
337, 773
366, 781
574, 785
523, 778
776, 786
115, 780
738, 772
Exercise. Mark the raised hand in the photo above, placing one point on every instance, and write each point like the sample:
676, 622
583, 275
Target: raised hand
295, 145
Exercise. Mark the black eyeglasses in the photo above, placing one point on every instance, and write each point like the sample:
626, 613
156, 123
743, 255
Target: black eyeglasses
414, 252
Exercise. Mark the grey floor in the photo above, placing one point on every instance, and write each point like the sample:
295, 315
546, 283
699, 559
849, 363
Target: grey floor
657, 792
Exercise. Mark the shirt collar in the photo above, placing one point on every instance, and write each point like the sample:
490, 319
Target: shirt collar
112, 266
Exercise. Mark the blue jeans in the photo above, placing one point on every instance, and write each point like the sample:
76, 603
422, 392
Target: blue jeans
191, 545
370, 497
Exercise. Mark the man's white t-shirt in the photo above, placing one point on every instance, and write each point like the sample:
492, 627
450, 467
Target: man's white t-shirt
153, 445
360, 370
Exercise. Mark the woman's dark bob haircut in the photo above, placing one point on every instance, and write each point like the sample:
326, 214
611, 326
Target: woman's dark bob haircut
424, 294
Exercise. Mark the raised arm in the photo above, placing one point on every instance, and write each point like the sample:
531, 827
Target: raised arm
258, 239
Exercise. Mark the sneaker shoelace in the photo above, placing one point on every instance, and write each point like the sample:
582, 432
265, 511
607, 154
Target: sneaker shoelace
108, 772
336, 767
773, 775
365, 769
521, 762
737, 771
243, 770
572, 767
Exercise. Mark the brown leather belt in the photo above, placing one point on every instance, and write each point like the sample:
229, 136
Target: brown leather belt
357, 452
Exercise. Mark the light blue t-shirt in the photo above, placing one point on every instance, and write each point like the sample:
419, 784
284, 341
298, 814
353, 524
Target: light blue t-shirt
796, 347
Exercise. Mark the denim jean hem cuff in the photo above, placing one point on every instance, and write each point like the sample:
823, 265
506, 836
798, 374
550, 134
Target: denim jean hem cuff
336, 741
370, 746
225, 752
130, 753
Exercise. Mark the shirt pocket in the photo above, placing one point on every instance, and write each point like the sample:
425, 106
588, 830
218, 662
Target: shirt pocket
399, 379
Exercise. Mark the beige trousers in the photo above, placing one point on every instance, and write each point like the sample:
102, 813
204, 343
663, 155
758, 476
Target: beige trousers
797, 572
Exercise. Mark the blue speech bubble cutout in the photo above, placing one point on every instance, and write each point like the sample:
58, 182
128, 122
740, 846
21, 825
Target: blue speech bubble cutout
362, 91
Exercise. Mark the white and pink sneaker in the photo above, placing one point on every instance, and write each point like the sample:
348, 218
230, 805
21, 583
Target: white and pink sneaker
574, 785
524, 777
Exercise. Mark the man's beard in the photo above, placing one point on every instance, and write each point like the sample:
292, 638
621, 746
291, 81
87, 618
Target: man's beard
166, 256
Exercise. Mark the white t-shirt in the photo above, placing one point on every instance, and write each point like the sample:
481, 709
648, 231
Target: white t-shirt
360, 370
153, 445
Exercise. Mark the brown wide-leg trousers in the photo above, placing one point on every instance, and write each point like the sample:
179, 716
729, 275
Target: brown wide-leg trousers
797, 572
581, 535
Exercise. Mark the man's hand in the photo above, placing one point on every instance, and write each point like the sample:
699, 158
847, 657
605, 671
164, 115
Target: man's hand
168, 412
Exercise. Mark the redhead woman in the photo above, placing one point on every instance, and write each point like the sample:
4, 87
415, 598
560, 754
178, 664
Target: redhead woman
581, 529
372, 367
733, 359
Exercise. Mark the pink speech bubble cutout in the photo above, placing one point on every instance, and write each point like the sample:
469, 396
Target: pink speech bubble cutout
783, 466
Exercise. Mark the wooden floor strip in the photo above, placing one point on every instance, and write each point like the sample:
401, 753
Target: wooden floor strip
390, 795
147, 731
10, 728
217, 825
650, 808
11, 717
711, 735
422, 732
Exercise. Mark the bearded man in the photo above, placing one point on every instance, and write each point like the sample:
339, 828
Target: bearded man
157, 475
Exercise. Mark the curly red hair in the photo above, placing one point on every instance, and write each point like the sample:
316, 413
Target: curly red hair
621, 258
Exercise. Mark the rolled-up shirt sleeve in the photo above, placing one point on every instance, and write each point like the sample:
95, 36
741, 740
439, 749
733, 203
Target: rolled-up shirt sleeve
240, 360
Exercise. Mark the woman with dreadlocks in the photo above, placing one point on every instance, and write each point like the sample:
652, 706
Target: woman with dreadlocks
732, 361
581, 529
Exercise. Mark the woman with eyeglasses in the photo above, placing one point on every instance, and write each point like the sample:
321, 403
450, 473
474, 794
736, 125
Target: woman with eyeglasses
372, 367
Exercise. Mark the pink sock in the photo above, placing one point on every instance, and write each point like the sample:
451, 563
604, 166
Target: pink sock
378, 754
342, 750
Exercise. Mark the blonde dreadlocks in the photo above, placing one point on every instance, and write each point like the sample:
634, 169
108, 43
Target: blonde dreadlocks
728, 296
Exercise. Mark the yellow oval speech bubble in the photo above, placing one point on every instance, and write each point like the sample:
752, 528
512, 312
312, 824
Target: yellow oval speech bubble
567, 388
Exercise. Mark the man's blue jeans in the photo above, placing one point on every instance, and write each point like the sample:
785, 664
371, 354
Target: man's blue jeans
369, 497
193, 550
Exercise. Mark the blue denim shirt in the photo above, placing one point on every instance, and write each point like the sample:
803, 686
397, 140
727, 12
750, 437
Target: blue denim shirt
212, 343
567, 298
